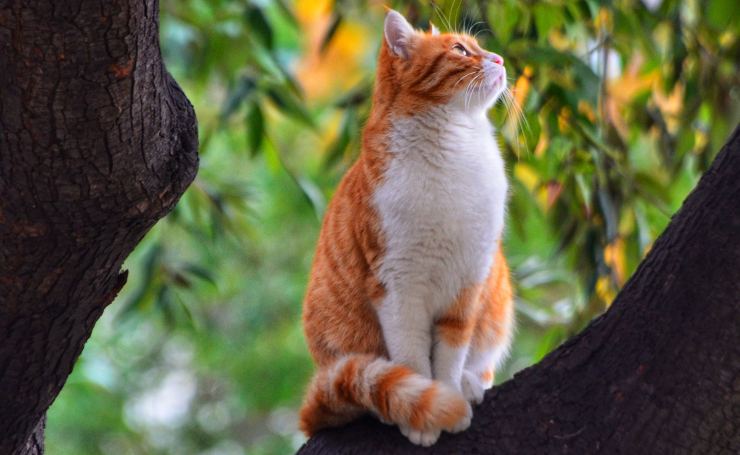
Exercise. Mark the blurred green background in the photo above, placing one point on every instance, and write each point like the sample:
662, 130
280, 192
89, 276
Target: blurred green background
624, 104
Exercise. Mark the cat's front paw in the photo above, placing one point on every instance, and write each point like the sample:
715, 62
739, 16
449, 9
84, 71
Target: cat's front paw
423, 438
463, 423
448, 411
472, 386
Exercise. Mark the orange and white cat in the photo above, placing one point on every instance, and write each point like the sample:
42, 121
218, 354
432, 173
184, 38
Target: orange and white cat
409, 306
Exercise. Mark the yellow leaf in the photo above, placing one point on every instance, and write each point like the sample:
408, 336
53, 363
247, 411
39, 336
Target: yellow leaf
527, 175
604, 19
542, 144
670, 104
585, 108
564, 119
604, 290
614, 257
339, 66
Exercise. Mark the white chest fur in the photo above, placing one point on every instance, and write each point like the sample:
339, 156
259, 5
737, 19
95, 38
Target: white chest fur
441, 206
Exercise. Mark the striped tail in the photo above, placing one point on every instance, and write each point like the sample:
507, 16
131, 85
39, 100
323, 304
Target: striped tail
358, 383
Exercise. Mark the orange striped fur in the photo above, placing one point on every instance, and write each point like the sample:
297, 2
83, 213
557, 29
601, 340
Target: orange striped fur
357, 373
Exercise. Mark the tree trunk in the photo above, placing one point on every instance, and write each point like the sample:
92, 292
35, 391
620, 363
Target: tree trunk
97, 142
658, 373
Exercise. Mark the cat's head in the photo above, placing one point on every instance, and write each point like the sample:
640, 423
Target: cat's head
432, 68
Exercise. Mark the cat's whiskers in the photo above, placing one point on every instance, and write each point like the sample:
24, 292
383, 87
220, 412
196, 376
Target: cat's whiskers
443, 18
471, 88
518, 120
463, 77
484, 29
470, 28
457, 12
521, 118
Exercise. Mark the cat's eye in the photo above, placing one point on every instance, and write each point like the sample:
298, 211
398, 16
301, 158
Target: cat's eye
460, 49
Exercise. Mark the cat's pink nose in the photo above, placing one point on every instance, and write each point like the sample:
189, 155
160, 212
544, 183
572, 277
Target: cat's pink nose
496, 58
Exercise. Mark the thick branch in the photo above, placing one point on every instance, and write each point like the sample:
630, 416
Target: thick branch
659, 373
97, 142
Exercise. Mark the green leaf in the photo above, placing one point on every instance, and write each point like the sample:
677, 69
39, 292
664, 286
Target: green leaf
584, 190
549, 341
244, 89
610, 212
287, 12
150, 265
505, 16
290, 105
259, 27
347, 131
313, 194
191, 320
546, 17
722, 14
200, 272
255, 129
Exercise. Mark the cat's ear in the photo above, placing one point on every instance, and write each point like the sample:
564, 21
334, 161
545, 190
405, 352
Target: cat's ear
433, 29
398, 33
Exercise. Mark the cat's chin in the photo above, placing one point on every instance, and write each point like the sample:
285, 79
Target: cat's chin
482, 96
487, 96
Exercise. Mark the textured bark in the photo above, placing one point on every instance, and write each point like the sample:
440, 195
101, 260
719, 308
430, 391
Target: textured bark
97, 142
658, 373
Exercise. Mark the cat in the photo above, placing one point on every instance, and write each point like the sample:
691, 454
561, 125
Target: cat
409, 306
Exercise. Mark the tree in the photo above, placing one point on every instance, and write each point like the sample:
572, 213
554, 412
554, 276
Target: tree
97, 143
657, 373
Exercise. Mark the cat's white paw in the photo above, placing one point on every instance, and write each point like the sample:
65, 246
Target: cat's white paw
464, 423
423, 438
472, 386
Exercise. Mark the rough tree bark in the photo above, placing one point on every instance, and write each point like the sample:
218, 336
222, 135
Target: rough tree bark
97, 142
659, 373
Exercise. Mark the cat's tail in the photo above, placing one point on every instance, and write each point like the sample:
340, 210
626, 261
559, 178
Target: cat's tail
358, 383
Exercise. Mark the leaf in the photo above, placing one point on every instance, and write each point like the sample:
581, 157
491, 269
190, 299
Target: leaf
722, 13
644, 233
357, 96
287, 12
180, 280
200, 272
259, 27
346, 132
150, 264
291, 106
164, 303
611, 215
313, 194
335, 23
546, 17
505, 16
243, 90
585, 191
549, 341
255, 129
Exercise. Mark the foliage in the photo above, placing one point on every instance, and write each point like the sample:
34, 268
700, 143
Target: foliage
623, 105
